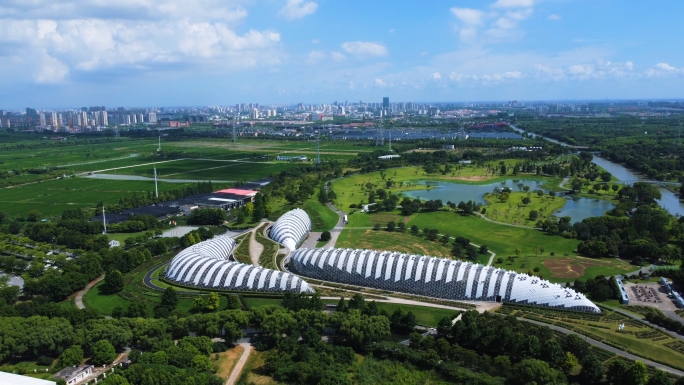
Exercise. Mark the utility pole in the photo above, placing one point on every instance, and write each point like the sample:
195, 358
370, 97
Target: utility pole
159, 148
104, 221
156, 190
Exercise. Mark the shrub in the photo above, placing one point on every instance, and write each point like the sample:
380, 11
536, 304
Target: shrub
325, 236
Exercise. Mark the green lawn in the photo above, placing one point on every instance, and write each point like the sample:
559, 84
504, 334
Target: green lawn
252, 302
322, 217
392, 241
514, 212
426, 316
105, 303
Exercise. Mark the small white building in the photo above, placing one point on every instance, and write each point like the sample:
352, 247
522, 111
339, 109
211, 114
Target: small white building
383, 157
74, 375
114, 243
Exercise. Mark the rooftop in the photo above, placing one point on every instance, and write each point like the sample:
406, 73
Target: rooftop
15, 379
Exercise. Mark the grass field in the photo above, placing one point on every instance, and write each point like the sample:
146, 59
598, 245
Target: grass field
392, 241
225, 361
50, 198
513, 211
426, 316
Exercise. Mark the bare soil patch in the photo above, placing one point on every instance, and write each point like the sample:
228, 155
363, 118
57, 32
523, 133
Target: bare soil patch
571, 267
227, 360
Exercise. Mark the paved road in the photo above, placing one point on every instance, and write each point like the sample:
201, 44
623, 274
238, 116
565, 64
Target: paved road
337, 230
235, 373
80, 294
609, 348
311, 240
255, 248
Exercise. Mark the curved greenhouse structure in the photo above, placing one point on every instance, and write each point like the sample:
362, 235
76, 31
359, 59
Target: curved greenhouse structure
206, 265
291, 228
434, 277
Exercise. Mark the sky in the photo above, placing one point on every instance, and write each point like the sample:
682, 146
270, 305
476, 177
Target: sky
146, 53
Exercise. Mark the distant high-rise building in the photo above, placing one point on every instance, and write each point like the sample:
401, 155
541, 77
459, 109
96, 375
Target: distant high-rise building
254, 114
152, 117
385, 103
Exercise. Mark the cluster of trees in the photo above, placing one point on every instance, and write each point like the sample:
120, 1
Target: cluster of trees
137, 223
207, 216
463, 249
599, 288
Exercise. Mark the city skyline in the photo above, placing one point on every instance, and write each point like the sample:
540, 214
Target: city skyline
61, 54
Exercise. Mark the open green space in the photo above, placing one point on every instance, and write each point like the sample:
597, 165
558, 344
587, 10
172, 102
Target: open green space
514, 211
322, 217
52, 197
392, 241
426, 316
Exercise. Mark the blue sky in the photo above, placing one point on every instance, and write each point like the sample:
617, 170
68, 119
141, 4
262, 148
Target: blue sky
68, 53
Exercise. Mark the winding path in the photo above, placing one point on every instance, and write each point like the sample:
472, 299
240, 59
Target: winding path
255, 248
80, 294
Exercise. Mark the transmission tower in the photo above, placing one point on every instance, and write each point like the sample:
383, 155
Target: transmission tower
116, 132
159, 148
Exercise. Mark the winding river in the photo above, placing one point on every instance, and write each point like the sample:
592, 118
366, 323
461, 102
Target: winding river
669, 201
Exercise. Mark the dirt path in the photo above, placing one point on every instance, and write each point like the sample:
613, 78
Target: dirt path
235, 374
80, 294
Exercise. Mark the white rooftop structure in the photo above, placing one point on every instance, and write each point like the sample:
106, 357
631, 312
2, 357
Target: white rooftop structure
291, 228
207, 265
15, 379
434, 277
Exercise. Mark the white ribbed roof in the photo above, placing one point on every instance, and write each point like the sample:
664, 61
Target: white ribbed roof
206, 265
434, 277
291, 228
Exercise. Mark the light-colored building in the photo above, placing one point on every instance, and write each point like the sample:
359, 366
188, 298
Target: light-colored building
74, 375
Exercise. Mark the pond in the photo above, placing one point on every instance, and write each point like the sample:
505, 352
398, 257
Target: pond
577, 208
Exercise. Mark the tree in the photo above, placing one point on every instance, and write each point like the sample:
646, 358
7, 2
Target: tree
415, 230
114, 379
636, 374
169, 299
616, 373
536, 371
526, 201
444, 327
615, 188
592, 371
325, 236
70, 357
569, 362
502, 168
114, 282
137, 310
201, 363
659, 378
33, 216
103, 353
391, 226
213, 302
534, 214
483, 249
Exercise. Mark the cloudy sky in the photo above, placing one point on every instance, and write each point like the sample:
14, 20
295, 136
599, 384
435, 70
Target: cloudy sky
68, 53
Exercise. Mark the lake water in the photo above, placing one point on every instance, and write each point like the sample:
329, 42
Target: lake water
669, 201
577, 209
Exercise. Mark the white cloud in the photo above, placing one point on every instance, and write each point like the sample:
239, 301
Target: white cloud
468, 16
51, 70
315, 41
315, 57
663, 69
365, 48
380, 83
296, 9
391, 30
108, 37
436, 75
513, 3
554, 17
629, 65
337, 56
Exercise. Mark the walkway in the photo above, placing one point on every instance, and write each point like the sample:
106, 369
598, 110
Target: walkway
235, 373
311, 241
609, 348
80, 294
255, 248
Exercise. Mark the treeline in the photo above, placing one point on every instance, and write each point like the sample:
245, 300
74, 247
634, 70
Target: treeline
40, 144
